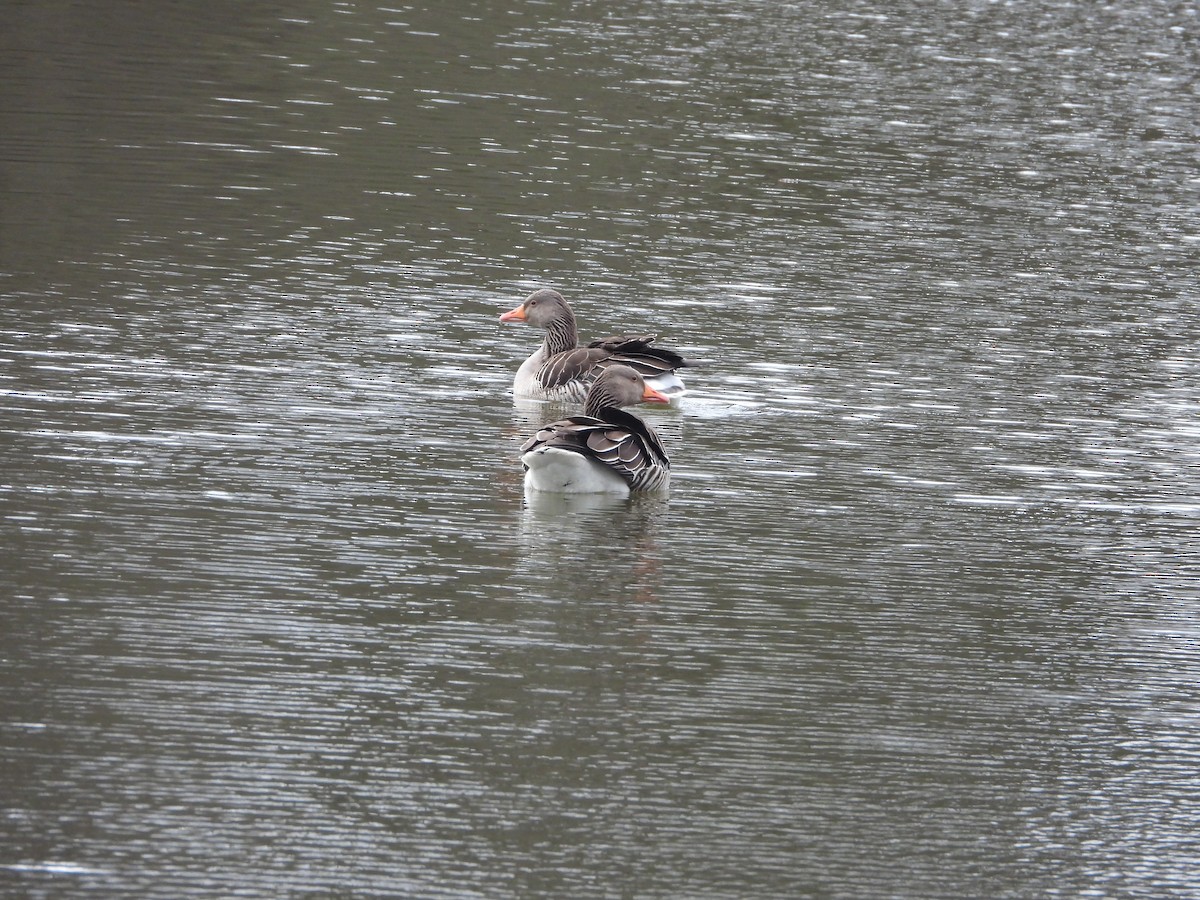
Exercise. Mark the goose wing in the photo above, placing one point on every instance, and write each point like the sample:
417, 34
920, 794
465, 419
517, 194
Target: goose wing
634, 453
570, 366
638, 351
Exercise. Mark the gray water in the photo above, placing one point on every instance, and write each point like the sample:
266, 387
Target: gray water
919, 617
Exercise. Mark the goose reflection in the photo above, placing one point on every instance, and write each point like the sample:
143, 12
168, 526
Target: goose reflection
548, 504
594, 546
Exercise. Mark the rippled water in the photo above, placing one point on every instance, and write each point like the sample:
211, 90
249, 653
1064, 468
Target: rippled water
918, 617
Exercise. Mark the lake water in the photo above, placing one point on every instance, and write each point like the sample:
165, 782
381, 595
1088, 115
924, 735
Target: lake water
919, 617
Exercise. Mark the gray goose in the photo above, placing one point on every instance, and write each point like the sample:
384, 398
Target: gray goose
606, 450
562, 370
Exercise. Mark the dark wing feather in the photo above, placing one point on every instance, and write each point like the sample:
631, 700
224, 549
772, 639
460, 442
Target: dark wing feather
618, 342
631, 453
585, 363
601, 442
626, 445
638, 352
569, 433
618, 449
647, 436
570, 365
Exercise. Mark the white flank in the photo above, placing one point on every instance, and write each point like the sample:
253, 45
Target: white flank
568, 472
667, 383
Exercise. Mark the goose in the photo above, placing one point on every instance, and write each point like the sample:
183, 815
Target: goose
562, 370
606, 450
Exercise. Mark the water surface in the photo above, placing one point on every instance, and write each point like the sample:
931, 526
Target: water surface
917, 618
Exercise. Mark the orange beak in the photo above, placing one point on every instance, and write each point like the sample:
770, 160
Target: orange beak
514, 315
650, 395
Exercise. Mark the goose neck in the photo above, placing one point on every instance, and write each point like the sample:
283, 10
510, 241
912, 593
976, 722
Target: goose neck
561, 335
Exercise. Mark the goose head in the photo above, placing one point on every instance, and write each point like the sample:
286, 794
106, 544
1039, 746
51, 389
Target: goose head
620, 386
541, 309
